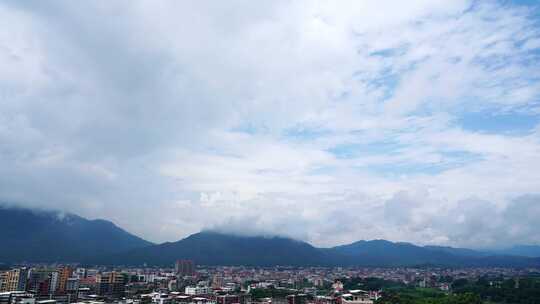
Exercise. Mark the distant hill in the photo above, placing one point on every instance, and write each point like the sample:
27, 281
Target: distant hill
212, 248
459, 251
49, 236
382, 252
385, 253
521, 250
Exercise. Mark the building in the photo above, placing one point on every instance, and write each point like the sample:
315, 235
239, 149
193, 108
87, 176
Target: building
356, 297
72, 285
297, 299
326, 300
228, 299
111, 284
337, 286
80, 273
184, 268
217, 281
160, 298
17, 297
40, 280
14, 280
198, 290
64, 273
88, 282
53, 285
72, 289
201, 300
83, 292
3, 275
318, 282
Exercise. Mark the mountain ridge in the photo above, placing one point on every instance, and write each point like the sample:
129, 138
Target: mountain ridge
215, 248
51, 236
520, 250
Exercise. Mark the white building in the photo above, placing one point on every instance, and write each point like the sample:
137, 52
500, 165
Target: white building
198, 290
356, 297
161, 298
54, 282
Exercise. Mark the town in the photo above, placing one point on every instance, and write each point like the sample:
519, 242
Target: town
188, 283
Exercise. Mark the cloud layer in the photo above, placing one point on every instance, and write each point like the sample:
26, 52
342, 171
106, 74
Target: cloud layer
330, 122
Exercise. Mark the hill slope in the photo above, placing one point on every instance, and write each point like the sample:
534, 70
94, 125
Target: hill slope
382, 252
49, 236
45, 236
385, 253
521, 250
212, 248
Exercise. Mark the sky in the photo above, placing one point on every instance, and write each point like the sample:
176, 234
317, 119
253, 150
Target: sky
324, 121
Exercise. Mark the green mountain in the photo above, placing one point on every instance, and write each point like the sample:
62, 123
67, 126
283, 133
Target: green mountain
214, 248
385, 253
49, 236
521, 250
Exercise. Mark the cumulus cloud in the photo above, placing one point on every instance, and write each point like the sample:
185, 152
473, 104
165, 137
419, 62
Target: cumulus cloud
328, 122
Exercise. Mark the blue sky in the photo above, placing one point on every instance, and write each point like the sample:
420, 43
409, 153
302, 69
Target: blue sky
488, 122
410, 121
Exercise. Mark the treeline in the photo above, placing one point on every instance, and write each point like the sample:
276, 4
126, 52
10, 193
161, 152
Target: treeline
369, 283
483, 290
428, 298
516, 291
258, 293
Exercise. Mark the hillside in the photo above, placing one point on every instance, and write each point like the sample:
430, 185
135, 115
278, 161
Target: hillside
213, 248
49, 236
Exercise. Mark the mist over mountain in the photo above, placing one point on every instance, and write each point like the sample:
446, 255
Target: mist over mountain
51, 236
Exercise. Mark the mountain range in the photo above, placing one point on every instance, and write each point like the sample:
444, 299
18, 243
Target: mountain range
48, 236
521, 250
215, 248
